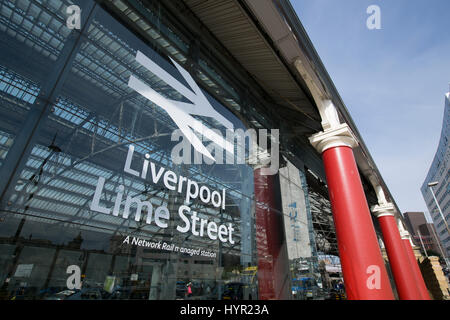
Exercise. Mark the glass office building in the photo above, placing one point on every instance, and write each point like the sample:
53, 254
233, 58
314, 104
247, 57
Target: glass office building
92, 203
440, 172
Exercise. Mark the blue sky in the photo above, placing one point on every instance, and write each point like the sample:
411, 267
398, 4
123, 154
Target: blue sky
392, 80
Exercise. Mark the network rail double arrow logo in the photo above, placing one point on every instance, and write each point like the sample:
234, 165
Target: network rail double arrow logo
181, 112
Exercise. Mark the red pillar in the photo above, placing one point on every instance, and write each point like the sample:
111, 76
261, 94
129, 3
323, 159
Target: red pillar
398, 259
273, 265
415, 266
365, 275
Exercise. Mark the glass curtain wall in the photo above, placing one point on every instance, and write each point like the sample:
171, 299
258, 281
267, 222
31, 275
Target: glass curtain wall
92, 204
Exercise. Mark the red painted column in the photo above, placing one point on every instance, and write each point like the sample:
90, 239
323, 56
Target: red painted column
415, 266
273, 264
402, 271
365, 275
363, 268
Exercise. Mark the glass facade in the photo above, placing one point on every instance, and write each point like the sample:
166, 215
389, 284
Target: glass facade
92, 204
440, 172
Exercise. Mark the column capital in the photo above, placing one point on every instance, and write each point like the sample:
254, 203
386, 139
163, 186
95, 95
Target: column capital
382, 210
404, 234
339, 136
